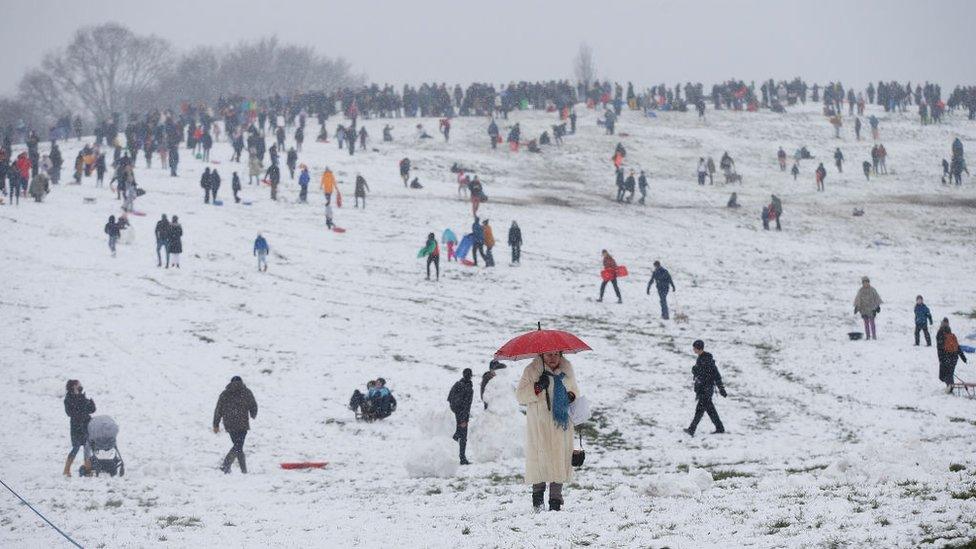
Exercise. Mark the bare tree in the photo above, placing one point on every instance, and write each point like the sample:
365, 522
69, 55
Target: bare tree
108, 69
584, 66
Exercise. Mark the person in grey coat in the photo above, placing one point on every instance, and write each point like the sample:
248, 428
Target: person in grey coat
867, 303
235, 404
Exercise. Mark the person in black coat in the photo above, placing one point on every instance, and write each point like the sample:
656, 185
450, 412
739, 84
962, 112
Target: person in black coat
162, 233
235, 185
79, 408
174, 243
273, 175
214, 184
205, 185
460, 397
707, 379
235, 404
515, 242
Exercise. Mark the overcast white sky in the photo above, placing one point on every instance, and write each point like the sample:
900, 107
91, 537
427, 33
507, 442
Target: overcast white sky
501, 40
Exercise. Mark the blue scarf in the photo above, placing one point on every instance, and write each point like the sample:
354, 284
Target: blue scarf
560, 401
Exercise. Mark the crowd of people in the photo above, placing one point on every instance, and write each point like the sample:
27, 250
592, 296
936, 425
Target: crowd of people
263, 128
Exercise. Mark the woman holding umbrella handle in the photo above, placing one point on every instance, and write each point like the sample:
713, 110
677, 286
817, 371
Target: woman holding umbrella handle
549, 432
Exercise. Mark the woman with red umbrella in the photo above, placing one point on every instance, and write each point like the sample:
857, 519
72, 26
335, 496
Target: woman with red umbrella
547, 387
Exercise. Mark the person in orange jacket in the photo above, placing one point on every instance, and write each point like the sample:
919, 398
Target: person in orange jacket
489, 243
610, 265
328, 185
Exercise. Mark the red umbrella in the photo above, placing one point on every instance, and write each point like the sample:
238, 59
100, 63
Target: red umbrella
536, 342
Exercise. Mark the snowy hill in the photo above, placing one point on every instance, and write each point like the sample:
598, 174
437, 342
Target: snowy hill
830, 441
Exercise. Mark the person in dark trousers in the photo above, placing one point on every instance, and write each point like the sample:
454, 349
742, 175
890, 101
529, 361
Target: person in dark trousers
235, 187
433, 255
795, 170
923, 319
234, 406
361, 189
174, 158
273, 175
459, 398
79, 408
488, 376
162, 233
515, 242
405, 171
947, 347
642, 186
303, 179
113, 231
205, 185
776, 210
610, 266
291, 160
214, 184
174, 243
839, 160
866, 166
478, 238
662, 278
706, 378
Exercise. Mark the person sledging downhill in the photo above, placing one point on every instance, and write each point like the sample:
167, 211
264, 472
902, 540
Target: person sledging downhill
610, 266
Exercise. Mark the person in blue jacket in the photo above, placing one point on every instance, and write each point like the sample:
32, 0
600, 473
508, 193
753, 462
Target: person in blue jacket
303, 183
261, 250
478, 238
662, 278
923, 319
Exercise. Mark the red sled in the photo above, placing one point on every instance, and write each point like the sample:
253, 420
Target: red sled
467, 262
266, 182
607, 274
304, 465
140, 214
338, 230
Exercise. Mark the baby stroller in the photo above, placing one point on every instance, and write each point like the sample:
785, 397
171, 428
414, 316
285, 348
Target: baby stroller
106, 458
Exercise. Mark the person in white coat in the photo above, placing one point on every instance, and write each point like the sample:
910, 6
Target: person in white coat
547, 387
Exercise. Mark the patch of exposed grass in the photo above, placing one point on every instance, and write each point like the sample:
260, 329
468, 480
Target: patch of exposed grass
730, 473
175, 520
810, 469
956, 467
969, 493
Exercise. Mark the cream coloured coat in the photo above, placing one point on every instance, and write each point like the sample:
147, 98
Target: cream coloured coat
548, 447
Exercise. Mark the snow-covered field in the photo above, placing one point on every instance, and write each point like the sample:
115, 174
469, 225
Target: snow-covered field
831, 442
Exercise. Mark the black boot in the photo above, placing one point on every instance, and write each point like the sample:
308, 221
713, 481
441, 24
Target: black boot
242, 462
228, 461
537, 500
555, 504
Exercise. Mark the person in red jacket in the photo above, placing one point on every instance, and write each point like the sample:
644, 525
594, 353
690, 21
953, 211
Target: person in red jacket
611, 266
23, 165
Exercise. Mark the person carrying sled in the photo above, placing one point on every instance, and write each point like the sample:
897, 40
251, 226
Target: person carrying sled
235, 407
328, 184
547, 388
433, 253
459, 398
361, 189
610, 266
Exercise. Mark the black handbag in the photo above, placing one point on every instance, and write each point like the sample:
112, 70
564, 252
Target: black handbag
579, 456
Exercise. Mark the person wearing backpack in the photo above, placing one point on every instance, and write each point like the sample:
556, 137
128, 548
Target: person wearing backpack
459, 398
947, 347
